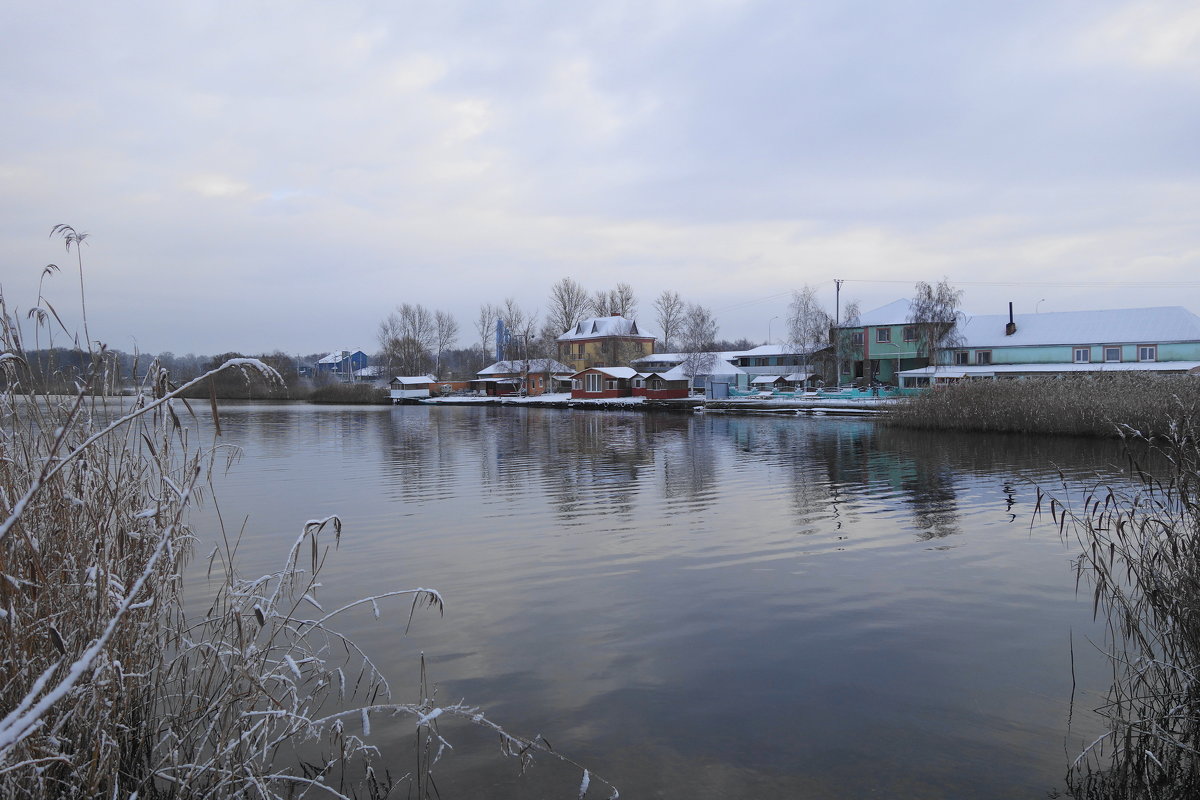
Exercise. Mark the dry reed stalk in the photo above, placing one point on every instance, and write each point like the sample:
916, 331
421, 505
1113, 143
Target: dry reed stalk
108, 687
1139, 554
1086, 405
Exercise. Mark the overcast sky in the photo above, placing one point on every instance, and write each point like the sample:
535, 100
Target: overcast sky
261, 176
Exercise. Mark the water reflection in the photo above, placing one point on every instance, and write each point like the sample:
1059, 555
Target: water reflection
698, 605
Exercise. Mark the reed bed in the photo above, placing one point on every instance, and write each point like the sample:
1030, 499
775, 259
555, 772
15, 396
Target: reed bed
1139, 556
1111, 404
110, 688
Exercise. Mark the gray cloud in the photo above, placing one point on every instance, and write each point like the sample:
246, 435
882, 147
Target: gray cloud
280, 175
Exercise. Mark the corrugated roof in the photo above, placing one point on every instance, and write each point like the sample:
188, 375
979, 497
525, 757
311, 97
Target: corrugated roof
1112, 326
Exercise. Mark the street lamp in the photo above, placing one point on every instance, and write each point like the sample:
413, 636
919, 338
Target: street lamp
1038, 303
772, 319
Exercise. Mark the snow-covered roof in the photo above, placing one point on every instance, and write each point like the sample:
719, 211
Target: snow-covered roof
594, 327
412, 380
535, 365
368, 372
336, 357
796, 377
769, 379
673, 374
894, 313
679, 358
987, 370
1112, 326
612, 372
767, 350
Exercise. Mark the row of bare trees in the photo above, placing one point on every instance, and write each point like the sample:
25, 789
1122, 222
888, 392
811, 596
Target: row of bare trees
413, 339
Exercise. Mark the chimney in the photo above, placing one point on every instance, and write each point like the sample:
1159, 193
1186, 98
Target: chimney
1011, 327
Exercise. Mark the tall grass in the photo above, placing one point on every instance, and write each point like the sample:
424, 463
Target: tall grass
1090, 405
1139, 557
109, 687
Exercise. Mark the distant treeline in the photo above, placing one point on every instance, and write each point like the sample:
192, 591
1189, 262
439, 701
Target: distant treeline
1107, 404
61, 370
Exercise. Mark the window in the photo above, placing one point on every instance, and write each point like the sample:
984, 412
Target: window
910, 333
594, 381
611, 385
1083, 355
656, 384
576, 384
1112, 354
883, 335
983, 356
856, 338
1148, 352
962, 358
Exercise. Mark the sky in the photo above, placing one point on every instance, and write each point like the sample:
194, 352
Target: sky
279, 176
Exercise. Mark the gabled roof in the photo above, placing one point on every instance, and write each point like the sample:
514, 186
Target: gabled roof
673, 374
894, 313
1112, 326
612, 372
535, 365
595, 327
679, 358
338, 356
413, 380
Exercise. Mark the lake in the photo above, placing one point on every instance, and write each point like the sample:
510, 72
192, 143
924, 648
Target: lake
701, 605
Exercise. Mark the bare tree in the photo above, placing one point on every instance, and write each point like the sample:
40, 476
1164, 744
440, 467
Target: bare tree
599, 304
620, 301
445, 334
808, 323
934, 314
670, 310
698, 335
569, 303
407, 337
485, 325
848, 342
521, 327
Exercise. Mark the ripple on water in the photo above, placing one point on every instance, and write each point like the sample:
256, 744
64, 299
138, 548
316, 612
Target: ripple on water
786, 600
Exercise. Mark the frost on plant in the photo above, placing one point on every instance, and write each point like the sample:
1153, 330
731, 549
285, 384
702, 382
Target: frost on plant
109, 687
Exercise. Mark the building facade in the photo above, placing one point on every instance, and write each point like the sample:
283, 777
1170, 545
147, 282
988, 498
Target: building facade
1164, 339
603, 342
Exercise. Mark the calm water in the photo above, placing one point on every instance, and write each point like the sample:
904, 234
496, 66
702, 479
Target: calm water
699, 606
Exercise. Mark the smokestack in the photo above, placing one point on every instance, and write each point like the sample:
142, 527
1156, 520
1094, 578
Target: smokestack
1011, 327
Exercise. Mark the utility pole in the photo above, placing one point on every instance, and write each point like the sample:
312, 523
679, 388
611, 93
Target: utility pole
837, 334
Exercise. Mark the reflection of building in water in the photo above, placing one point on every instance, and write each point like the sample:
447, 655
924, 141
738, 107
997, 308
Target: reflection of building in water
600, 474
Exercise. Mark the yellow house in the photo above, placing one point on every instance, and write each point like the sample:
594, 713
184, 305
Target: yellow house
603, 342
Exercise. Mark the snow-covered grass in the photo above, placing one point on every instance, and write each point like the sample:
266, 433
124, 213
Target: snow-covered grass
109, 688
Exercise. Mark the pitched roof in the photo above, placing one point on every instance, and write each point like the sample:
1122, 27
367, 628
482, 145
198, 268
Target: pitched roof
1111, 326
675, 373
612, 372
594, 327
894, 313
413, 380
535, 365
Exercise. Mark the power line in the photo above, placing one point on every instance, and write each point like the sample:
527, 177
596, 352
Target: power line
1057, 284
